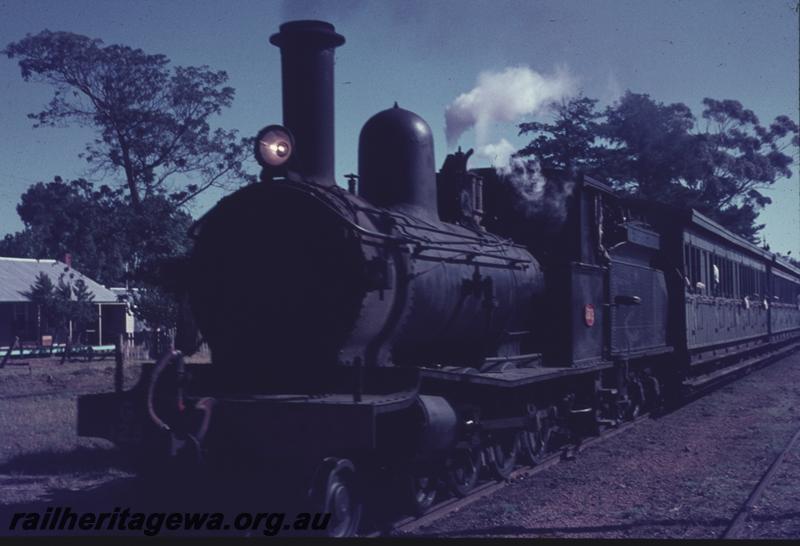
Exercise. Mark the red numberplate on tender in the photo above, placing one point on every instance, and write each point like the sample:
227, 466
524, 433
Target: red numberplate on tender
588, 314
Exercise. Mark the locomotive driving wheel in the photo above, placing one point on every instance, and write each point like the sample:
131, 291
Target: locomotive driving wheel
534, 441
502, 455
636, 396
423, 488
462, 471
335, 491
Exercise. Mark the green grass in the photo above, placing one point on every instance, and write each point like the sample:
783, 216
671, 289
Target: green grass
40, 451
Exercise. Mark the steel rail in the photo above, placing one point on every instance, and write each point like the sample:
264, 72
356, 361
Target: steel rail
743, 514
451, 505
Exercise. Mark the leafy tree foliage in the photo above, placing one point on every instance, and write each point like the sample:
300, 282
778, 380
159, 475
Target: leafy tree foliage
648, 144
60, 304
107, 239
569, 142
745, 156
152, 120
42, 295
153, 126
80, 308
157, 307
662, 152
98, 228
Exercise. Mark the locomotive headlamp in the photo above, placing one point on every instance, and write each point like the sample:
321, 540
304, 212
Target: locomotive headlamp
274, 146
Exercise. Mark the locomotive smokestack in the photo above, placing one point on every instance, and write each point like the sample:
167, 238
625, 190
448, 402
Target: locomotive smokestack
307, 71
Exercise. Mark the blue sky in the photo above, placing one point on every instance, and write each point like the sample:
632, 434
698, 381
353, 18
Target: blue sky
423, 55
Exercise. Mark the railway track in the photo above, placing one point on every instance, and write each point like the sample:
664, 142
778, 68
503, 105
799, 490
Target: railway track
736, 526
451, 505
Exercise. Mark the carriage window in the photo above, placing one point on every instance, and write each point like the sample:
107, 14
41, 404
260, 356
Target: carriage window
728, 279
741, 280
724, 277
714, 276
692, 267
785, 291
747, 282
697, 273
687, 264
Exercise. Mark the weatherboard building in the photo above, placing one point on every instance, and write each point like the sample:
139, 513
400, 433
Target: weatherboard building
19, 316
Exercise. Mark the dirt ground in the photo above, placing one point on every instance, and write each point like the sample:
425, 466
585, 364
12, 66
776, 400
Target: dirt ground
40, 451
44, 464
777, 514
683, 475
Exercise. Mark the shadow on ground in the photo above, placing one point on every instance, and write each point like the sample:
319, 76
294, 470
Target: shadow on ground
81, 459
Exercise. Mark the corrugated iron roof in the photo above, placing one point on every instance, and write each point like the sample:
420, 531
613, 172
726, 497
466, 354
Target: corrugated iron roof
18, 274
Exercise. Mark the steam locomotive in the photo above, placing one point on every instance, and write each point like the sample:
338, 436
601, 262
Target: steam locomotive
421, 330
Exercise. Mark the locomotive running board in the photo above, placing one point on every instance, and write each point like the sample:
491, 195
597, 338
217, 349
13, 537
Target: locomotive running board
702, 381
516, 377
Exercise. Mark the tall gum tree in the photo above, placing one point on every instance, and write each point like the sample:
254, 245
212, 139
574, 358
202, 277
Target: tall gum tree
719, 165
151, 119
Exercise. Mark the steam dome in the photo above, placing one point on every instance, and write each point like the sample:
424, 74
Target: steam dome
396, 163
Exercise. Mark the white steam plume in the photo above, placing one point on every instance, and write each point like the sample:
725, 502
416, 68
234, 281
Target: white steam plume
504, 97
537, 196
499, 153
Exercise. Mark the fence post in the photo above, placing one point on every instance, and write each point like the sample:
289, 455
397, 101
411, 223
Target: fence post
8, 353
119, 358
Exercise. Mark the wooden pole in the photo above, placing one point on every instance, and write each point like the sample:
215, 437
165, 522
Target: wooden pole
99, 323
8, 353
119, 371
67, 351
